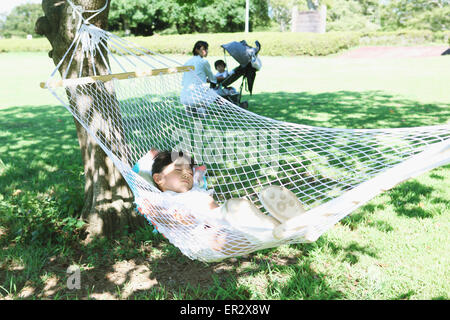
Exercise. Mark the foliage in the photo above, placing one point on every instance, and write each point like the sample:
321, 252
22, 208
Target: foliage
404, 37
436, 19
342, 15
274, 43
41, 218
149, 17
419, 14
20, 22
141, 17
352, 15
369, 15
24, 45
281, 12
144, 17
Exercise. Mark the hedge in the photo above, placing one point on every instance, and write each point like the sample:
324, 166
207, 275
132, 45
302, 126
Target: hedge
273, 43
24, 45
404, 37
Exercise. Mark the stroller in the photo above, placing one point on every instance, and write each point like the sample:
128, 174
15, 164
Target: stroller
249, 63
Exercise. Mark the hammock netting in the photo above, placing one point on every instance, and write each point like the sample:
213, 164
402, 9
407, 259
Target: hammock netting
331, 171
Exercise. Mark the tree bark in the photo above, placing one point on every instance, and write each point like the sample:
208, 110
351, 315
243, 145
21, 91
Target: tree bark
108, 201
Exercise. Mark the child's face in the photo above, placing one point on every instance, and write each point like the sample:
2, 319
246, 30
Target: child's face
177, 176
220, 68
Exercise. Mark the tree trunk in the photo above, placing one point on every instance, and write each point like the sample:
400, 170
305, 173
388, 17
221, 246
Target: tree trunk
108, 201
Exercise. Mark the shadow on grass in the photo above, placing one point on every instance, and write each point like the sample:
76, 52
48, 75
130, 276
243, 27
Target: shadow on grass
344, 109
411, 199
42, 171
405, 296
39, 150
407, 199
124, 270
352, 251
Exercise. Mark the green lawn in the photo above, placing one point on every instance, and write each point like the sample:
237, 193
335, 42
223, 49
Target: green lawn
395, 247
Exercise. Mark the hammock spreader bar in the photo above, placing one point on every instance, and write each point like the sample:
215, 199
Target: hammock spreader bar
115, 76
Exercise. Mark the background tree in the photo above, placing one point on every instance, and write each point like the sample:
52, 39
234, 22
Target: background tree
107, 199
418, 14
436, 19
20, 22
352, 15
282, 12
2, 22
141, 17
144, 17
218, 16
259, 14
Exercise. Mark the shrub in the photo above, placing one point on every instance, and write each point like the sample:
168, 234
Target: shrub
24, 45
404, 37
273, 43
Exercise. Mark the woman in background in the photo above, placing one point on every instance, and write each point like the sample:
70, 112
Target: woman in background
196, 93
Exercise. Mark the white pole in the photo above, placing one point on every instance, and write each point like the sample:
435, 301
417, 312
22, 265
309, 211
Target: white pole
247, 9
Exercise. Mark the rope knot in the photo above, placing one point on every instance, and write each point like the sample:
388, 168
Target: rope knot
90, 38
77, 10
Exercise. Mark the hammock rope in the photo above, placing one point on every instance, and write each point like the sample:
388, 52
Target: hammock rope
133, 109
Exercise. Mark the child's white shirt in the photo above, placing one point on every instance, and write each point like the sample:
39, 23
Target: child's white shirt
224, 74
193, 199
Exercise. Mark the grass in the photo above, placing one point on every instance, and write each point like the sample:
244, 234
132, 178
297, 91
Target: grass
395, 247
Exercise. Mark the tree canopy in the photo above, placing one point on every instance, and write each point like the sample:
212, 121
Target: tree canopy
418, 14
369, 15
147, 17
20, 22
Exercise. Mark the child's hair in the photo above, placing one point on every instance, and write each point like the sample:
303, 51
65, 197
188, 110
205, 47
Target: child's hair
198, 45
165, 158
220, 62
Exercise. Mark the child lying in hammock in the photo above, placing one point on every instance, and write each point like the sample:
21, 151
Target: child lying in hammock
172, 173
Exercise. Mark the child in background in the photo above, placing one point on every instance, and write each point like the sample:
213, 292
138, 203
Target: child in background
222, 73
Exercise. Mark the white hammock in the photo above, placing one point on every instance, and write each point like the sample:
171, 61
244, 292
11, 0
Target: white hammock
331, 171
